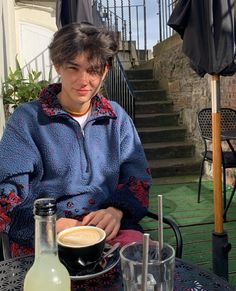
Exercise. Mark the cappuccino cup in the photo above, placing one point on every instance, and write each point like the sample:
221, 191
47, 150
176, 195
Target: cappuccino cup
80, 246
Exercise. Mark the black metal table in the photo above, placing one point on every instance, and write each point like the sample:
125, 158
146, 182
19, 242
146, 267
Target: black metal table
187, 277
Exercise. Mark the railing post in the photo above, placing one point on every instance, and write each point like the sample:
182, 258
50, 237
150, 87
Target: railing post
160, 17
100, 7
145, 29
137, 31
115, 17
108, 19
130, 32
111, 22
122, 26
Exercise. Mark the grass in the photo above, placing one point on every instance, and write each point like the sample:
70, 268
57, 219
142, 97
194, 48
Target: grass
196, 221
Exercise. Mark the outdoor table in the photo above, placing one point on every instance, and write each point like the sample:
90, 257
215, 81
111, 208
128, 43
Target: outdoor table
227, 136
187, 277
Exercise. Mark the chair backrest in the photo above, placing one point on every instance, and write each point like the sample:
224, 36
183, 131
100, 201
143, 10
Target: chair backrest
227, 121
176, 230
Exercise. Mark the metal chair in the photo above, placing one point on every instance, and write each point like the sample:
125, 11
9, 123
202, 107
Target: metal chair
228, 122
176, 230
4, 247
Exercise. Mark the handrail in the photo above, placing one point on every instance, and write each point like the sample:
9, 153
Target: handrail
177, 232
113, 14
125, 18
117, 85
41, 63
165, 8
119, 88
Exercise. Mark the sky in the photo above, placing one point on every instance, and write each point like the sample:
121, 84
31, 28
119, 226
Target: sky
151, 16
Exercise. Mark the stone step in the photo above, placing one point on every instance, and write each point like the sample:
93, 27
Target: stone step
156, 119
145, 84
174, 167
153, 106
170, 150
163, 139
162, 134
139, 74
150, 95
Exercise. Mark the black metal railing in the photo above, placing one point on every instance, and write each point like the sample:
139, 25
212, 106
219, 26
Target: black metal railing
165, 8
117, 84
125, 19
119, 88
108, 13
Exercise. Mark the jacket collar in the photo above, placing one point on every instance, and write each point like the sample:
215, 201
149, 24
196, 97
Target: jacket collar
51, 105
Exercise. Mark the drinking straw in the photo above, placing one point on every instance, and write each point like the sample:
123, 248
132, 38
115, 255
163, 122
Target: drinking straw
145, 261
160, 225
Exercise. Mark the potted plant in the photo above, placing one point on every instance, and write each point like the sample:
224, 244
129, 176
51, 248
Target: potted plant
18, 89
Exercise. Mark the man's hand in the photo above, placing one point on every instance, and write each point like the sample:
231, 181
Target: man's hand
63, 223
108, 219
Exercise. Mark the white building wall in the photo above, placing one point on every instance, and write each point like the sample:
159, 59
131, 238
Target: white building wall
26, 29
35, 26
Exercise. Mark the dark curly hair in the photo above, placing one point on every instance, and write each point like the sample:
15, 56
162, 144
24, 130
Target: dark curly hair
99, 44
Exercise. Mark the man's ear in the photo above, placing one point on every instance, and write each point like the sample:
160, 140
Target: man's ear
105, 72
57, 68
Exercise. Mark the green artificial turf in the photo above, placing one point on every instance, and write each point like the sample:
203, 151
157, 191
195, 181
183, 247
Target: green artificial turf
196, 221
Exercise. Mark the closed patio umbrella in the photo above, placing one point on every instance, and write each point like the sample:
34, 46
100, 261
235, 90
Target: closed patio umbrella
207, 30
68, 11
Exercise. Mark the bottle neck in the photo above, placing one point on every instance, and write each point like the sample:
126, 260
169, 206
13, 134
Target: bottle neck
45, 235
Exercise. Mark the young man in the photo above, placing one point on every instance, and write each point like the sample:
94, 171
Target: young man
76, 146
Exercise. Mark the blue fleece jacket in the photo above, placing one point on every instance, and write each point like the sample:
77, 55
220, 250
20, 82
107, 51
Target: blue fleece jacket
43, 153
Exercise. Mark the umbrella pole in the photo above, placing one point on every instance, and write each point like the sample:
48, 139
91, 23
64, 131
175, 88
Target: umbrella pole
220, 245
217, 157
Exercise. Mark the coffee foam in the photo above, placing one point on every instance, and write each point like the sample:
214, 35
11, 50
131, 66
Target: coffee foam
80, 237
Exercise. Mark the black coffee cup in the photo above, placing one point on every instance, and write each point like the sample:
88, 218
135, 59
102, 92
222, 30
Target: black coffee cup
81, 246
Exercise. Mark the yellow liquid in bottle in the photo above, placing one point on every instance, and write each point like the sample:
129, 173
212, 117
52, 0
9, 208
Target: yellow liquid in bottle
47, 273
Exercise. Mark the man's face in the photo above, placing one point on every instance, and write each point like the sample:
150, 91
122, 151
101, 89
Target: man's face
80, 82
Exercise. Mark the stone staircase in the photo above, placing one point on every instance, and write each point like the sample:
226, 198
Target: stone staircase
168, 151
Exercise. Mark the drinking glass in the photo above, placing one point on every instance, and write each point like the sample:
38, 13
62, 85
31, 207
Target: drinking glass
160, 272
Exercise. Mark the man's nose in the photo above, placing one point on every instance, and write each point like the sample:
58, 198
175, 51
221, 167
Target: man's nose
83, 76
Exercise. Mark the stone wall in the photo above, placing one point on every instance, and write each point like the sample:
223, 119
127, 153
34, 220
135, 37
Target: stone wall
189, 92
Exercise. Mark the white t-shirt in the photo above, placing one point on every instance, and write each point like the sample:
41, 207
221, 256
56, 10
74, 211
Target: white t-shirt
82, 119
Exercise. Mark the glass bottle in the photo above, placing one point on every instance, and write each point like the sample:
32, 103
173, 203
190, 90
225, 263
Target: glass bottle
47, 272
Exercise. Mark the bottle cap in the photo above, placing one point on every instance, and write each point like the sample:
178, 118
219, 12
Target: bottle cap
45, 206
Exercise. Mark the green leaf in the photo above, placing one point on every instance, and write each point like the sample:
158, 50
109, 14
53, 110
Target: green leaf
18, 89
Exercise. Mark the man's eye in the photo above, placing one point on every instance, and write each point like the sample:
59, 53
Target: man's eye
72, 68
